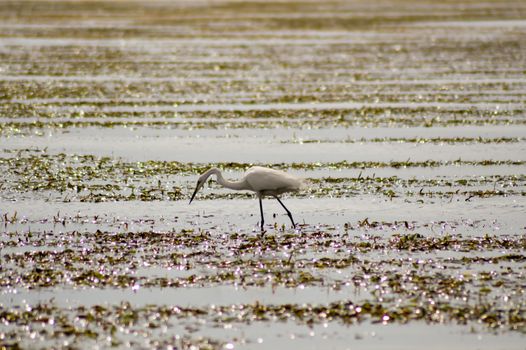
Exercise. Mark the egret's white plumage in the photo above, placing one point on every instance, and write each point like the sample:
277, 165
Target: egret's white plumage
263, 181
270, 182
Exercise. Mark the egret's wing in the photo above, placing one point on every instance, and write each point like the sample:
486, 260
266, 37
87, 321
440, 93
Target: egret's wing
266, 179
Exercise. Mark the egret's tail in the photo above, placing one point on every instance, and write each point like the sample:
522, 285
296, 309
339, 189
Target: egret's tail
304, 184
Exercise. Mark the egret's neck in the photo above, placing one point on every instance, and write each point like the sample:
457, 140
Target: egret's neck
233, 185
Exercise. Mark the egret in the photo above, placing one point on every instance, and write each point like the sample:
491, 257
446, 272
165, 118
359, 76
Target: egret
265, 182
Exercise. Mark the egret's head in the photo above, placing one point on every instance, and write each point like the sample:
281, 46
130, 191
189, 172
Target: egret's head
202, 179
200, 183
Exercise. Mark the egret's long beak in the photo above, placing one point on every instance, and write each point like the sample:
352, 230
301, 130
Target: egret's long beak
195, 192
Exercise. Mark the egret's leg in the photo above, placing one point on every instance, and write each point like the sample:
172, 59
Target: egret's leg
288, 212
261, 211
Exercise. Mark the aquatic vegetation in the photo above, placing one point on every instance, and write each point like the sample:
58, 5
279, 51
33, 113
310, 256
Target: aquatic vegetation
440, 140
99, 249
88, 178
434, 290
42, 122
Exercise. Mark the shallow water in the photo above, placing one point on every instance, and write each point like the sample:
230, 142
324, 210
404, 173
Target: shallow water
410, 128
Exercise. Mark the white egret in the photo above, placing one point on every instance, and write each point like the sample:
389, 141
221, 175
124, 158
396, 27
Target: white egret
263, 181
